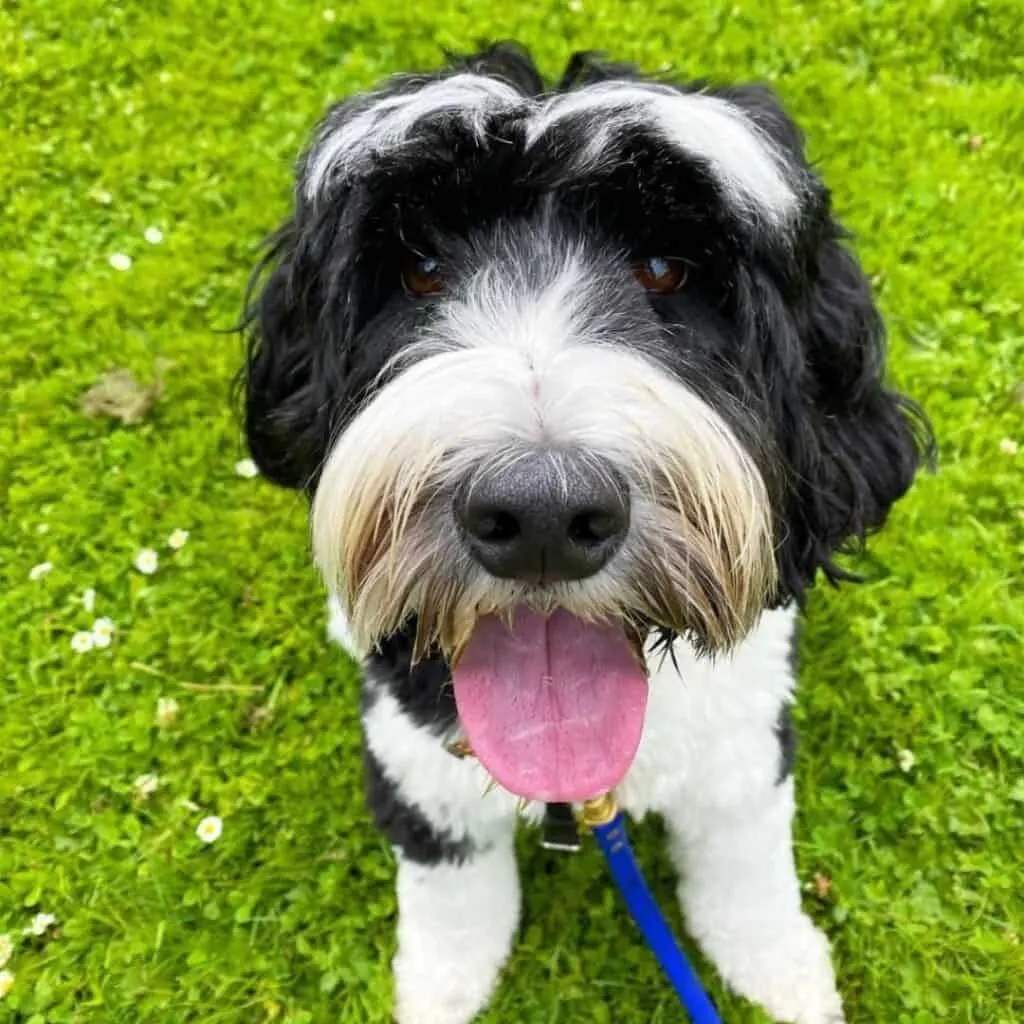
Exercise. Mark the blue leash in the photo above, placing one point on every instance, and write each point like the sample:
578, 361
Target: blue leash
609, 828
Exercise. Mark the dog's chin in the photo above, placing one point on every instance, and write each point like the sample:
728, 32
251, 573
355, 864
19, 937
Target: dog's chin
552, 705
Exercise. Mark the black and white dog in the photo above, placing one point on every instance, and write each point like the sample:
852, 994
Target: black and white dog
576, 378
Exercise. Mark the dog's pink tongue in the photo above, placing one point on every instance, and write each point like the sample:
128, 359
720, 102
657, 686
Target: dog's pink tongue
554, 707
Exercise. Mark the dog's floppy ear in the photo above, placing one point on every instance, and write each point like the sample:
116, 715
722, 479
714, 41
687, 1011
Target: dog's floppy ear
298, 320
857, 445
851, 445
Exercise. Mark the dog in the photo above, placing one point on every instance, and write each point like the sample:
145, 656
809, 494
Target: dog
586, 389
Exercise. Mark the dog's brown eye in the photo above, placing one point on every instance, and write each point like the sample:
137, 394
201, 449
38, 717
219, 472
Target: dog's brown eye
660, 275
422, 277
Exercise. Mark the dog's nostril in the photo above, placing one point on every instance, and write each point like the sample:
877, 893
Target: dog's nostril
497, 527
593, 527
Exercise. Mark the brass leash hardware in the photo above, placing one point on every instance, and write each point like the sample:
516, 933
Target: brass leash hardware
459, 748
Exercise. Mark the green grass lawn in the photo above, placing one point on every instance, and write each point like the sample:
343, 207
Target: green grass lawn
185, 116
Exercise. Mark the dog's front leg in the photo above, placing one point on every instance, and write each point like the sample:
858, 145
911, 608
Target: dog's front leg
458, 887
456, 922
741, 897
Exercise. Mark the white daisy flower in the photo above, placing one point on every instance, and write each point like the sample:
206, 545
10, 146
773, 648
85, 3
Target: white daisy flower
246, 468
177, 540
120, 261
103, 627
147, 561
37, 572
906, 760
166, 711
40, 924
89, 599
146, 785
101, 640
153, 235
210, 829
6, 983
1008, 446
82, 642
6, 949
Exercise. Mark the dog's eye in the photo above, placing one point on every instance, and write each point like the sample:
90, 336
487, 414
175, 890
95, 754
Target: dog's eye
660, 275
422, 276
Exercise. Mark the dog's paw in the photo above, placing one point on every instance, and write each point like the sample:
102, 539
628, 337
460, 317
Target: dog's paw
438, 1006
438, 994
788, 972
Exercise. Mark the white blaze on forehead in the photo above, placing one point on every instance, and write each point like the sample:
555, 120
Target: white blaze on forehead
499, 308
386, 123
748, 167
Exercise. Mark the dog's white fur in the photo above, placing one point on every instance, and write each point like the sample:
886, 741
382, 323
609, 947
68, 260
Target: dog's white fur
708, 763
752, 172
386, 122
456, 924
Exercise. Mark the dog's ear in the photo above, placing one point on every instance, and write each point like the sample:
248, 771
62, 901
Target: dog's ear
856, 444
298, 318
851, 445
282, 425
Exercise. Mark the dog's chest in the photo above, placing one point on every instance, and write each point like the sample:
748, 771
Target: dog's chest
711, 724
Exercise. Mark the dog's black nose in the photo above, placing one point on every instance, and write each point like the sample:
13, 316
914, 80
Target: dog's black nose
545, 517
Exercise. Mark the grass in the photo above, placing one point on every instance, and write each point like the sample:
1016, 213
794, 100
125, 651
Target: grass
186, 116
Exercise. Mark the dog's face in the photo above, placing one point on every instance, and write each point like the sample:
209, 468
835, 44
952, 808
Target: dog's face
591, 357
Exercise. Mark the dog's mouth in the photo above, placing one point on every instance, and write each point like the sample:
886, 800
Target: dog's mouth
553, 707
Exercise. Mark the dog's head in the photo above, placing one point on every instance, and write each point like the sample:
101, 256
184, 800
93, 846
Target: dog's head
589, 355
